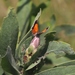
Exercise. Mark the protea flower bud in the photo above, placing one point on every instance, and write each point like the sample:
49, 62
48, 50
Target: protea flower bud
35, 42
31, 49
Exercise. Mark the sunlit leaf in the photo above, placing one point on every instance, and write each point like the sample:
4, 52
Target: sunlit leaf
33, 65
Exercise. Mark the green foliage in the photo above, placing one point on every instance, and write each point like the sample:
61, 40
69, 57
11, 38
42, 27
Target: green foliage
60, 48
1, 70
8, 63
59, 71
68, 29
68, 63
9, 33
15, 44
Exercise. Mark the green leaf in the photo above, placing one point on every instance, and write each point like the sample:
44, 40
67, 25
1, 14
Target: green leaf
71, 74
54, 61
36, 18
50, 24
58, 71
6, 73
68, 29
72, 62
53, 20
22, 47
50, 33
21, 4
9, 33
1, 70
60, 48
33, 64
8, 63
23, 20
35, 8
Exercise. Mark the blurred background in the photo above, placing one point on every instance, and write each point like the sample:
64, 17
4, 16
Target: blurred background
64, 11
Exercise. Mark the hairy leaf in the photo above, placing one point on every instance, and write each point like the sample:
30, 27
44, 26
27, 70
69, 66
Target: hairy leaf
58, 71
9, 33
72, 62
60, 48
8, 63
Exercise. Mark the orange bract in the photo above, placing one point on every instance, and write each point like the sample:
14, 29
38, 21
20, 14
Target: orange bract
35, 28
45, 30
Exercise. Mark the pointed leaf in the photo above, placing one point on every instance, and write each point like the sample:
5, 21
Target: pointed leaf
23, 20
33, 64
36, 18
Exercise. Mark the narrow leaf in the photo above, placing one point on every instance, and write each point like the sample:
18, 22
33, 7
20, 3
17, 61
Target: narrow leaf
33, 65
23, 20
